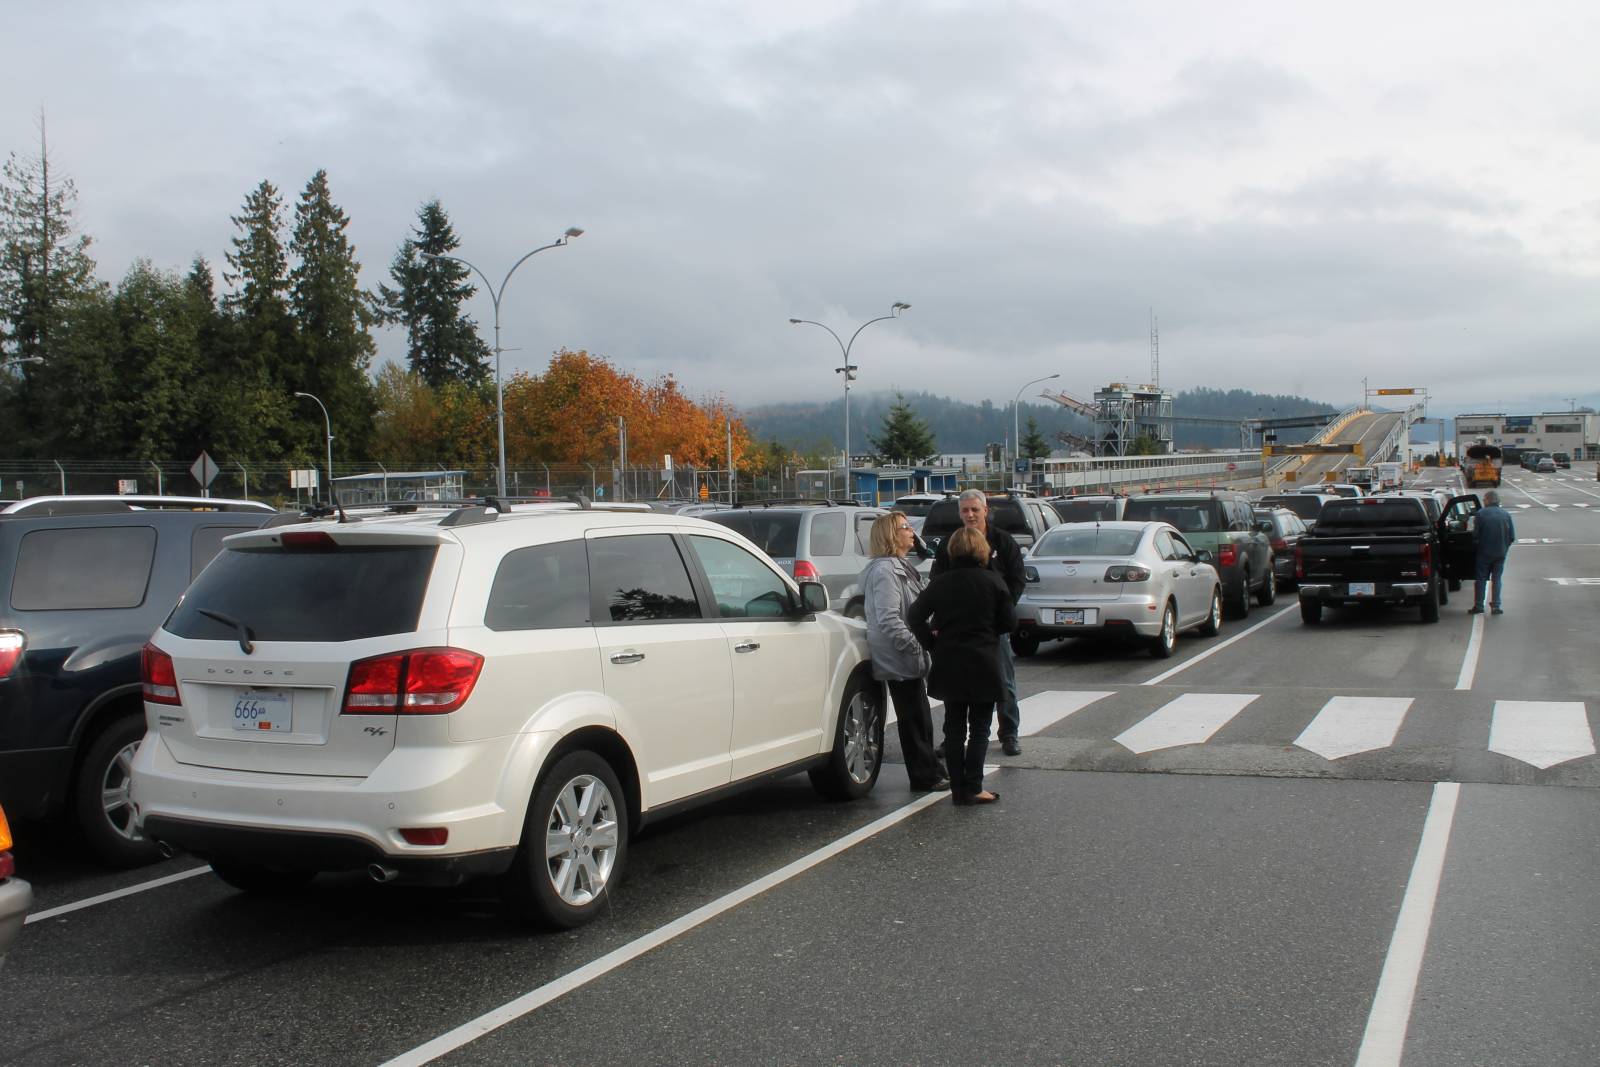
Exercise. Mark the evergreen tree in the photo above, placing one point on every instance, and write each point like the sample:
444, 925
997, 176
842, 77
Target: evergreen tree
905, 437
1033, 445
158, 364
260, 353
332, 316
442, 344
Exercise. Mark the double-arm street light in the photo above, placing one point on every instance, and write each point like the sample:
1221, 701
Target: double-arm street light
327, 422
1016, 433
849, 372
495, 295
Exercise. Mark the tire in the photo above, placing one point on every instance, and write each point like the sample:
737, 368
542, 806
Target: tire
1269, 589
574, 844
262, 881
101, 803
1163, 643
1025, 645
1239, 606
857, 756
1430, 605
1310, 612
1454, 584
1213, 624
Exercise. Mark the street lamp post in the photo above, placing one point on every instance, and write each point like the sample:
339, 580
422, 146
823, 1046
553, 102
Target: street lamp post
848, 370
327, 422
17, 361
1016, 431
495, 295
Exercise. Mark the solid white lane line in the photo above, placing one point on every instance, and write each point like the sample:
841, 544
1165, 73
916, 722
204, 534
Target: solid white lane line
1347, 725
1385, 1037
537, 998
1214, 649
1542, 733
1469, 662
1527, 494
89, 902
1189, 720
1043, 710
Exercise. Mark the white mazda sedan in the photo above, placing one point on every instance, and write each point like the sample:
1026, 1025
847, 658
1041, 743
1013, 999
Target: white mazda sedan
1138, 579
445, 694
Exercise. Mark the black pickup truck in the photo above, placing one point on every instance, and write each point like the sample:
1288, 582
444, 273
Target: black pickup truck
1384, 549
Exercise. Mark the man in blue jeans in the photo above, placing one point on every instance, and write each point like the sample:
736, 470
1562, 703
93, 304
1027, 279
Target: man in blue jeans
1495, 535
1005, 559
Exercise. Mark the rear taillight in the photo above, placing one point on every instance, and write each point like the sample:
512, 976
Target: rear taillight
307, 539
1123, 573
159, 676
12, 644
1299, 562
1279, 544
806, 571
1227, 554
1427, 561
424, 681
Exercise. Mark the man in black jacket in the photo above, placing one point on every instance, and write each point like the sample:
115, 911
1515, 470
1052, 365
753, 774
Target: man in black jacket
1005, 559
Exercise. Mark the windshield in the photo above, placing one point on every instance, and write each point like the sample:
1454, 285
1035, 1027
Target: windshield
340, 594
1087, 540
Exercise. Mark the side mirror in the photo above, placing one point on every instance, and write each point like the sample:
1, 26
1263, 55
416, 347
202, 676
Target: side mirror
813, 597
1204, 556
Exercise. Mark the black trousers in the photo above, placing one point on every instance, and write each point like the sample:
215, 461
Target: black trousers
914, 720
966, 744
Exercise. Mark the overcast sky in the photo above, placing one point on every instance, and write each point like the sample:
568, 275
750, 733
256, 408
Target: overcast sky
1305, 194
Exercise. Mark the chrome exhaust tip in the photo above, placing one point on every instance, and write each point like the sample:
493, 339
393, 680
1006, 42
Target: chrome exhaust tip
381, 874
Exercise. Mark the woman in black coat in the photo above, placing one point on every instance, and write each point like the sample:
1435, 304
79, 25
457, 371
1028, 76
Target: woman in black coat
969, 607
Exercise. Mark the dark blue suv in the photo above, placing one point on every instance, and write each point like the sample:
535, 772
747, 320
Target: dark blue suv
84, 582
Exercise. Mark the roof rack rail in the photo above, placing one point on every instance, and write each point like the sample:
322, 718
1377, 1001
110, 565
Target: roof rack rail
471, 515
797, 501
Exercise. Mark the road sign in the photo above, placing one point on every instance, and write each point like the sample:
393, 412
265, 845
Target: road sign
705, 491
303, 479
204, 470
127, 487
1395, 392
1353, 448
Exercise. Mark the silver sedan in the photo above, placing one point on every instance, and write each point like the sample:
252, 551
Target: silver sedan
1139, 579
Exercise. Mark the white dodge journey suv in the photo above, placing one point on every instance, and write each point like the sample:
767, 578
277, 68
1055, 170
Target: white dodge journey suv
447, 694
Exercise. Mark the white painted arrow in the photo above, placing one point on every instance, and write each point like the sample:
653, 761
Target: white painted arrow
1347, 725
1542, 733
1189, 720
1043, 710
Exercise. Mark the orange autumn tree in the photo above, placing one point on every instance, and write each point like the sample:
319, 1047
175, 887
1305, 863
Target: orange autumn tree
568, 416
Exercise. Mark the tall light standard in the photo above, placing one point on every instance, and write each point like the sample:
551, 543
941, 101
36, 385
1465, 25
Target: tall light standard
327, 422
849, 372
495, 295
1016, 438
18, 361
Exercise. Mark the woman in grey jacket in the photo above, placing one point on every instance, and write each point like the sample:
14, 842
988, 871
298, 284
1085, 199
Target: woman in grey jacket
891, 583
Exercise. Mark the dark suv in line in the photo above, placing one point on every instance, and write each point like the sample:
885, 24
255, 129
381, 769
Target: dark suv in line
83, 585
1025, 518
1221, 522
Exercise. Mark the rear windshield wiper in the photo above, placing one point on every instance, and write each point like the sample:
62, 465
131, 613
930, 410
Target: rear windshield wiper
247, 636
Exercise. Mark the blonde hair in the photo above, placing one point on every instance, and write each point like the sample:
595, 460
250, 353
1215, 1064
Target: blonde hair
969, 543
885, 534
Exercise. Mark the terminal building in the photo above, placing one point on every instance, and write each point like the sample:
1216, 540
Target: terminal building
1574, 432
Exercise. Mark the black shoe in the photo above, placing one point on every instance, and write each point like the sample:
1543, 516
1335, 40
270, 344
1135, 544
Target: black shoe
1496, 611
1011, 746
1474, 611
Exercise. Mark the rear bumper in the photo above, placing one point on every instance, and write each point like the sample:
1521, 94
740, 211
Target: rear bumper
16, 897
1127, 614
1382, 592
476, 791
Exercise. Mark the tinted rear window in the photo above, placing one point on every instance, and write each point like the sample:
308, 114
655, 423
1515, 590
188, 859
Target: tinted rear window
541, 587
1370, 513
1087, 541
913, 508
90, 567
206, 543
1086, 510
1189, 516
774, 532
1303, 505
342, 594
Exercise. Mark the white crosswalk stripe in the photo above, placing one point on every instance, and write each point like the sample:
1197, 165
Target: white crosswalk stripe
1541, 733
1347, 725
1191, 719
1043, 710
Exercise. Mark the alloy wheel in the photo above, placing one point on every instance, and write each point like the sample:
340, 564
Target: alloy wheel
861, 746
581, 840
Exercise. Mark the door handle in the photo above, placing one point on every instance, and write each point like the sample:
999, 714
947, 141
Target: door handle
747, 646
627, 655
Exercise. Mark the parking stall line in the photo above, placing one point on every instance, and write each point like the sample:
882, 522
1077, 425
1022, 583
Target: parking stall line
1214, 649
1469, 662
1385, 1036
534, 999
89, 902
